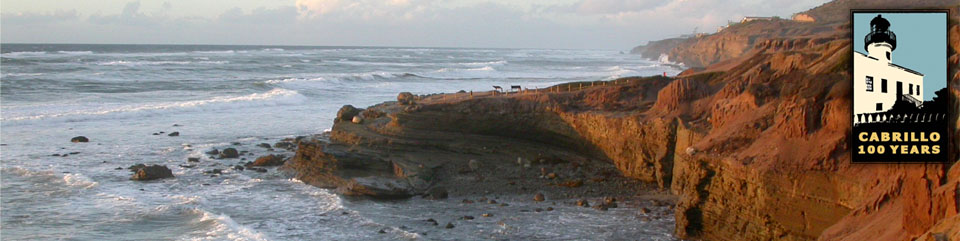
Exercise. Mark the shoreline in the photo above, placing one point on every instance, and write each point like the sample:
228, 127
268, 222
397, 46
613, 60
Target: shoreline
478, 147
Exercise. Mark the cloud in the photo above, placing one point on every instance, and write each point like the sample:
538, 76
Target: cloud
364, 9
38, 18
588, 7
130, 15
260, 16
607, 24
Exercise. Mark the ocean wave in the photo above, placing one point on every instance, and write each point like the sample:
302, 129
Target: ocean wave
223, 226
23, 53
665, 59
75, 52
215, 52
488, 63
464, 73
69, 179
277, 96
368, 63
343, 78
142, 63
19, 74
79, 180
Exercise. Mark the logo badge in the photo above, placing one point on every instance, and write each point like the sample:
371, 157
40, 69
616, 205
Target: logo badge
900, 95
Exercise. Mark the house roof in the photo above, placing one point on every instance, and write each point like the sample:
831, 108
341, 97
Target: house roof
892, 64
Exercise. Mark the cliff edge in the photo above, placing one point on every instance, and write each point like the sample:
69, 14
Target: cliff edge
753, 146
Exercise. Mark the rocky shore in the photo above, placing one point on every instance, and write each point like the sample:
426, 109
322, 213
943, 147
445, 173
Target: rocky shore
751, 145
477, 144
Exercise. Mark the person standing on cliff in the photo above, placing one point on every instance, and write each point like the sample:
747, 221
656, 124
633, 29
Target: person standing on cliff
475, 167
522, 166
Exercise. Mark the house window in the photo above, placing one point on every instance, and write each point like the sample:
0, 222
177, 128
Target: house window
888, 55
879, 106
918, 89
883, 85
911, 89
870, 83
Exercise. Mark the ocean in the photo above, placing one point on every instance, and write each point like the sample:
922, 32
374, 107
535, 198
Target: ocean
119, 96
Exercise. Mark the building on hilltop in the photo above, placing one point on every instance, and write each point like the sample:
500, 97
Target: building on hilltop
750, 19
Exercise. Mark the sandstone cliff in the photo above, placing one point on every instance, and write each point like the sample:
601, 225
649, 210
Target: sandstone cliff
755, 145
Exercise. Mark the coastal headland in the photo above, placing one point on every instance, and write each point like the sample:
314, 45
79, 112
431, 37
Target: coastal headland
751, 143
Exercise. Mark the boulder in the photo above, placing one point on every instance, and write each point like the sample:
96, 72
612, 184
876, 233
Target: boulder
79, 139
357, 120
583, 203
377, 187
193, 159
229, 153
610, 202
153, 172
372, 114
436, 193
136, 167
539, 197
412, 108
213, 152
175, 133
644, 210
268, 160
284, 145
346, 113
405, 98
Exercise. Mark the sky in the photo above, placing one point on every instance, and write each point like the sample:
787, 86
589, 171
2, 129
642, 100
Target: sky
569, 24
921, 44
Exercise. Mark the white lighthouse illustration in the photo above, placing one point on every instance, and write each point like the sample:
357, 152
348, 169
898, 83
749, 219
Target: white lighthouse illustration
878, 83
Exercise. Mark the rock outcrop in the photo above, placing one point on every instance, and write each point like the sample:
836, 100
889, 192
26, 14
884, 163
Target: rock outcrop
229, 153
755, 144
146, 173
268, 160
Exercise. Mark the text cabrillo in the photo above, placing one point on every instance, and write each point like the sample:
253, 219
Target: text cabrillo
903, 137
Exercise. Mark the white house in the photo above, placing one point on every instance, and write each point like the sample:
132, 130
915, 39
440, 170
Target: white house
877, 82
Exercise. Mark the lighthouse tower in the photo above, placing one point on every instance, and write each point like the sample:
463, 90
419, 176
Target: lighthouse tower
880, 42
878, 83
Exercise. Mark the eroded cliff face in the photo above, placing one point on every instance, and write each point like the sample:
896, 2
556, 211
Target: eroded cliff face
755, 145
779, 168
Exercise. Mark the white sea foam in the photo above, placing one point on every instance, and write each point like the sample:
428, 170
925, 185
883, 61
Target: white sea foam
142, 63
79, 180
226, 228
23, 53
20, 74
216, 52
276, 96
217, 105
75, 52
69, 179
488, 63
